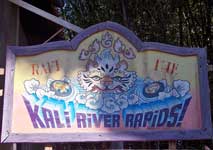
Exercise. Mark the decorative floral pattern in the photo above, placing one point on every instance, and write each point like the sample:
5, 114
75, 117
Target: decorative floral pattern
107, 85
113, 102
122, 102
110, 105
107, 40
31, 86
182, 87
119, 46
93, 102
94, 47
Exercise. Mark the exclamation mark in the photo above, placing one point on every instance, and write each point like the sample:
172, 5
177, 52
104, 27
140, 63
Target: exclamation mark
183, 112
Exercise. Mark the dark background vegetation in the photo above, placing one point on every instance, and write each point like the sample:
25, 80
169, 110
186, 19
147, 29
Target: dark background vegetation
179, 22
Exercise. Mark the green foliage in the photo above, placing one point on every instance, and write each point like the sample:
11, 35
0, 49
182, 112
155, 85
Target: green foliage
85, 13
184, 22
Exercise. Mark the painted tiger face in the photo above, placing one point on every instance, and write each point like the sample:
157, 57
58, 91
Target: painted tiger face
107, 74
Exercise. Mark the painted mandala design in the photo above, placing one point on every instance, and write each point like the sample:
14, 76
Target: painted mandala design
107, 84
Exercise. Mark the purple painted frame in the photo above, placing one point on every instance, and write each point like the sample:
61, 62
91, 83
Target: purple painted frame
204, 133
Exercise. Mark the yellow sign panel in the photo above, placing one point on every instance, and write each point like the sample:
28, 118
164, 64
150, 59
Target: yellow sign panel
106, 83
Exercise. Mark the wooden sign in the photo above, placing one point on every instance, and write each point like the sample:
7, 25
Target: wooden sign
105, 85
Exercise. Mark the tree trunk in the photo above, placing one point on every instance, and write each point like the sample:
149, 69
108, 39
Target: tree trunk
124, 11
180, 26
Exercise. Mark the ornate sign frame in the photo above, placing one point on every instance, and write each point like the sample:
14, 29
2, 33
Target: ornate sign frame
169, 102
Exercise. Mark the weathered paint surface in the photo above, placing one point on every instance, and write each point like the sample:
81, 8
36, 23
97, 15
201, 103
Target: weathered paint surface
106, 82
